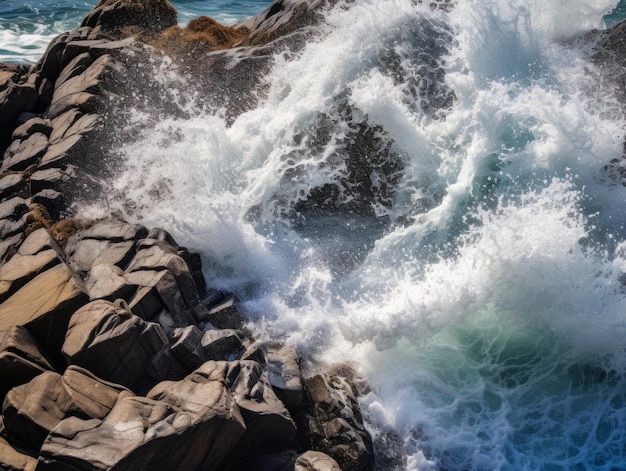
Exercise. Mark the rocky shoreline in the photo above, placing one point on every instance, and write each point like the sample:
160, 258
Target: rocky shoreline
114, 353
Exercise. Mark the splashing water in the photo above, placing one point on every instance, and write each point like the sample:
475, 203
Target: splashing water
424, 193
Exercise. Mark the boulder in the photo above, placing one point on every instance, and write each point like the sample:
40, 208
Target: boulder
269, 426
22, 268
222, 344
20, 358
25, 153
32, 410
283, 366
44, 306
315, 461
109, 340
11, 459
224, 314
187, 347
190, 424
335, 424
120, 18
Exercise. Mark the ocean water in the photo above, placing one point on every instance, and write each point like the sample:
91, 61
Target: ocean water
478, 280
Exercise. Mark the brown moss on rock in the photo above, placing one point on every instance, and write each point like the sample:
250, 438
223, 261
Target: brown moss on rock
202, 34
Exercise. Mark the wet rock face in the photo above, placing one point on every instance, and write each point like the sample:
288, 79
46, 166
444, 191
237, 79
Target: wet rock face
114, 353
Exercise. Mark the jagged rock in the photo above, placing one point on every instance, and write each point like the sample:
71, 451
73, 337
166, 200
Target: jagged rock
222, 344
11, 184
315, 461
51, 178
38, 241
75, 67
8, 244
83, 101
169, 429
26, 153
62, 123
87, 253
20, 358
15, 99
32, 410
127, 17
159, 294
11, 459
117, 346
106, 281
187, 347
44, 306
269, 427
283, 367
32, 126
224, 314
336, 425
88, 81
22, 268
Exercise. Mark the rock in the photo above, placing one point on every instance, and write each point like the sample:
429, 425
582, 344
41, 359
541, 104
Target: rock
27, 153
12, 184
161, 294
224, 314
106, 281
32, 126
269, 427
38, 241
32, 410
44, 306
11, 459
187, 347
283, 367
121, 18
52, 200
22, 268
51, 178
315, 461
169, 429
117, 346
87, 81
222, 344
20, 358
83, 101
336, 425
87, 253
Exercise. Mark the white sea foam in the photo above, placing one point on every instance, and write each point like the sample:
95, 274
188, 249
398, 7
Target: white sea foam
487, 313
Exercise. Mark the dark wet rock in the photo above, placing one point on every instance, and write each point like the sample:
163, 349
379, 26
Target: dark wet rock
269, 426
335, 424
187, 347
222, 344
224, 314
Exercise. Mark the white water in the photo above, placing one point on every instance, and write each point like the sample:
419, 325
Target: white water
484, 306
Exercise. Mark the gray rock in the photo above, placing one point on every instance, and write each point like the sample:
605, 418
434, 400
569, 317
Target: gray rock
223, 344
336, 425
106, 281
75, 67
11, 184
20, 269
63, 122
28, 152
224, 315
85, 102
20, 358
315, 461
60, 152
31, 127
283, 367
87, 253
44, 306
190, 424
117, 346
187, 347
269, 427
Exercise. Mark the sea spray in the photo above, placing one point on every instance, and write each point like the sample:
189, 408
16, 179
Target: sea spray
482, 294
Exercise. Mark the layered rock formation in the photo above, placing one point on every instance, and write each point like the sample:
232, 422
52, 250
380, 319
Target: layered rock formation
114, 353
